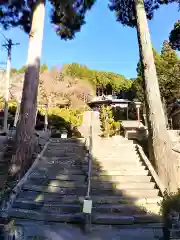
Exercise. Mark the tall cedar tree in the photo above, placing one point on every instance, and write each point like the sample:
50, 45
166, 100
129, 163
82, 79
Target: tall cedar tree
167, 67
67, 17
134, 13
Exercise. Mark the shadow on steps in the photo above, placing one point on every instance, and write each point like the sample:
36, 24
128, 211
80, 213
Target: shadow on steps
122, 191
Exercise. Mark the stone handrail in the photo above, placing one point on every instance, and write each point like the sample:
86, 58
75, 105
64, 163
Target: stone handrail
151, 169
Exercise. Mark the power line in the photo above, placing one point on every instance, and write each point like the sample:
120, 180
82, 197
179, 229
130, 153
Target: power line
4, 36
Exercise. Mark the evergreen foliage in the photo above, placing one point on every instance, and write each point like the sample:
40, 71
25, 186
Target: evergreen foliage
67, 17
109, 126
168, 68
125, 12
175, 36
98, 78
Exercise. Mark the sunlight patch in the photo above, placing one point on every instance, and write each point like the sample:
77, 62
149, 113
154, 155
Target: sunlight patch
54, 183
40, 197
52, 186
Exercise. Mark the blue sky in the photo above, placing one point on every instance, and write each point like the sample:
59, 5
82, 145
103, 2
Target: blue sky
102, 44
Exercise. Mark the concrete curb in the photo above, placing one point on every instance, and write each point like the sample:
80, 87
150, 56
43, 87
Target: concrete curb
151, 169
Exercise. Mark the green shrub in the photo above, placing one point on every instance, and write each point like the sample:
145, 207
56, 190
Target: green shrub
170, 203
109, 126
65, 117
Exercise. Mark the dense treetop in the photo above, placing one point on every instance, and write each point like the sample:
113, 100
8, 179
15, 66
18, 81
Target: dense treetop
67, 16
125, 11
175, 36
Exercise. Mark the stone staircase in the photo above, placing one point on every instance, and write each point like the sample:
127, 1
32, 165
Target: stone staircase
128, 193
55, 189
122, 189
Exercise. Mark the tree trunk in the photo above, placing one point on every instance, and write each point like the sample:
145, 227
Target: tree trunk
25, 128
165, 111
16, 118
161, 144
46, 118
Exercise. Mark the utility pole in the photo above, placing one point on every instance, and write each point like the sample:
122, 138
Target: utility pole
8, 46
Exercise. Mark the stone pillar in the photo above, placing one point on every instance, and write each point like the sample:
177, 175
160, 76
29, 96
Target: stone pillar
138, 105
138, 113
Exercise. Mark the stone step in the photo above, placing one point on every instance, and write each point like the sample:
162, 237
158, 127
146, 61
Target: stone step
95, 184
47, 207
56, 183
114, 151
64, 149
63, 165
109, 219
116, 160
57, 190
65, 161
63, 177
68, 168
118, 220
140, 192
58, 159
69, 149
81, 178
51, 169
59, 154
48, 217
121, 209
56, 171
122, 186
79, 162
62, 159
111, 166
62, 153
67, 146
60, 169
119, 162
156, 226
120, 147
122, 172
58, 198
65, 143
58, 140
61, 146
116, 144
123, 178
82, 191
117, 152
